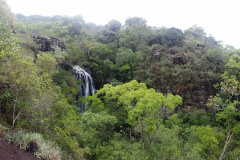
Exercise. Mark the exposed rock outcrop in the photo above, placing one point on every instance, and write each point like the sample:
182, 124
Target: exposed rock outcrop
58, 42
157, 56
193, 93
43, 42
156, 53
172, 51
46, 44
179, 59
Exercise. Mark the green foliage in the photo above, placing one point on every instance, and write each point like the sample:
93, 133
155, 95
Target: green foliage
167, 144
121, 149
131, 110
60, 55
206, 138
100, 127
117, 54
66, 127
47, 64
173, 37
5, 12
125, 119
194, 118
75, 55
114, 25
124, 61
195, 31
33, 101
69, 86
227, 105
135, 21
233, 68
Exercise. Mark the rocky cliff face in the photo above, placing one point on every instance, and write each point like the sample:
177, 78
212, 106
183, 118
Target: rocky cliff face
179, 77
58, 42
46, 44
197, 94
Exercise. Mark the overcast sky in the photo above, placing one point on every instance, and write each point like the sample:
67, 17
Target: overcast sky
219, 18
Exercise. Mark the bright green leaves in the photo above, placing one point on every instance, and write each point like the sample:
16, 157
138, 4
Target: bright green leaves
232, 69
150, 108
130, 110
205, 137
122, 93
28, 98
4, 54
228, 117
172, 101
125, 67
234, 62
230, 87
8, 42
144, 107
226, 102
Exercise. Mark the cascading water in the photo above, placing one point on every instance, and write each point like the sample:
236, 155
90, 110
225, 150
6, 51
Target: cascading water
86, 88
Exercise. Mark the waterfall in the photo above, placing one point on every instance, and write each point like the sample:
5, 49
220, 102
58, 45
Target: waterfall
86, 88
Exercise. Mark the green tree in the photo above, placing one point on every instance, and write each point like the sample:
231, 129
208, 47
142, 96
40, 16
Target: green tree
226, 102
137, 106
114, 25
134, 36
205, 137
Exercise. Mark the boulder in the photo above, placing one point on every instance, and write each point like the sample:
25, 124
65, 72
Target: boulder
157, 56
172, 51
179, 59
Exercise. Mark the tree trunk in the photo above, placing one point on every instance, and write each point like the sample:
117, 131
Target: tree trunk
130, 133
226, 144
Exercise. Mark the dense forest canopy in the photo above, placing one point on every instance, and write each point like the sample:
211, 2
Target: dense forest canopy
162, 93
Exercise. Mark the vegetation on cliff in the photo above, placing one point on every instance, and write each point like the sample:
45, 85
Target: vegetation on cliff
163, 93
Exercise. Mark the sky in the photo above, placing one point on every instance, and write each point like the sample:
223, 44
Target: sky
219, 18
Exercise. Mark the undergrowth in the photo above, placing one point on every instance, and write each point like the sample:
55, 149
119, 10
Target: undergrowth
39, 146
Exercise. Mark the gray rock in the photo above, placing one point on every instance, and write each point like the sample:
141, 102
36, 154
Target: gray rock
157, 56
46, 44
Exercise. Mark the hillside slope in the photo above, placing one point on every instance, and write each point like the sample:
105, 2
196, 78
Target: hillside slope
11, 152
